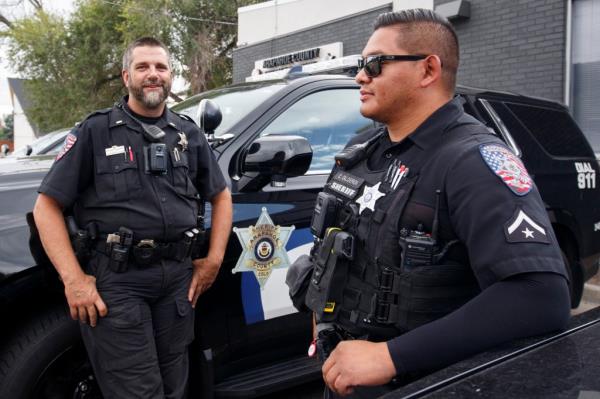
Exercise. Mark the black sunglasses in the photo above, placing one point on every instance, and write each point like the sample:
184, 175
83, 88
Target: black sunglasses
372, 63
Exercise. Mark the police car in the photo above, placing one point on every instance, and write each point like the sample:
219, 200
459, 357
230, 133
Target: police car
275, 145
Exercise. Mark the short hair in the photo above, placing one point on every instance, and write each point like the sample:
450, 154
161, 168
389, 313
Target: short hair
143, 41
423, 31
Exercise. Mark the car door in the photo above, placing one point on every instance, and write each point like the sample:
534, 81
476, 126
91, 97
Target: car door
327, 115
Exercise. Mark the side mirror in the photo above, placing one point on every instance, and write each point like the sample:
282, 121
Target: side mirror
28, 150
209, 116
274, 159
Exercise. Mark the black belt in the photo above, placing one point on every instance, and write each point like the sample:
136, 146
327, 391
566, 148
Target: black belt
148, 251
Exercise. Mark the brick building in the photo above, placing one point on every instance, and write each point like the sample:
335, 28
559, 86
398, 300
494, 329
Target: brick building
541, 48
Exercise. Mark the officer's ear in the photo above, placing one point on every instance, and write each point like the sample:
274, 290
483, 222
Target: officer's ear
432, 70
125, 76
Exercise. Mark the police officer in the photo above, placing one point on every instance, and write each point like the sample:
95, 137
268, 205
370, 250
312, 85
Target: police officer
133, 177
440, 246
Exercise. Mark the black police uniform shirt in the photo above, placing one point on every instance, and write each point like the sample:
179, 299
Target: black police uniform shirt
101, 173
502, 232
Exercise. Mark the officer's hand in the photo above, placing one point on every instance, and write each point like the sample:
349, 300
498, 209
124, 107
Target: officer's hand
84, 300
358, 363
205, 273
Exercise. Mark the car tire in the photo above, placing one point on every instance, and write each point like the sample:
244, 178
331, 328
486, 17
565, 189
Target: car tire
46, 358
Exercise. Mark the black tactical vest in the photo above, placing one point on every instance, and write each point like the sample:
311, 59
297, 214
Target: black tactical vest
123, 193
372, 295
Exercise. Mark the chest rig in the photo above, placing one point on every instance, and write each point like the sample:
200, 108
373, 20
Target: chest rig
361, 280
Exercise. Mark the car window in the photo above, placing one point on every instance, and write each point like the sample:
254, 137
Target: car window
234, 102
55, 149
39, 144
551, 129
327, 119
554, 130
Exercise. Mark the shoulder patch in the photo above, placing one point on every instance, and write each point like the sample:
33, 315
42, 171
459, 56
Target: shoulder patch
70, 141
508, 167
522, 228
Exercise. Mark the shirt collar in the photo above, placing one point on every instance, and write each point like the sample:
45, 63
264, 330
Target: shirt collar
429, 132
120, 117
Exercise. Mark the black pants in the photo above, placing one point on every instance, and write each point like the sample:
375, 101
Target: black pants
139, 350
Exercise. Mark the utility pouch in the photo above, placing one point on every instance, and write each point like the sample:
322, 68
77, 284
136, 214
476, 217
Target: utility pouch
297, 279
145, 252
329, 274
120, 244
324, 214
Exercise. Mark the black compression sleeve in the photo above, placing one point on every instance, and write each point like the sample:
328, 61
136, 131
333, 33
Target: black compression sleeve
523, 305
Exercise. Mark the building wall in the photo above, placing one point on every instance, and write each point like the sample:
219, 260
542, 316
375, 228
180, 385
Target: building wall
352, 31
263, 21
512, 45
23, 132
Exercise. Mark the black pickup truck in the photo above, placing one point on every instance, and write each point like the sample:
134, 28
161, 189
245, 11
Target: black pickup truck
250, 341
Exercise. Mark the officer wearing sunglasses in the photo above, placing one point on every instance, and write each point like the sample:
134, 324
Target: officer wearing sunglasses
442, 247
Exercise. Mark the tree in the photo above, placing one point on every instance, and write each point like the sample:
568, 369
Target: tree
74, 66
7, 132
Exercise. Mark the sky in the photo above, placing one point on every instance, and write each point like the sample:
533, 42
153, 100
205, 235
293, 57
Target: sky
14, 12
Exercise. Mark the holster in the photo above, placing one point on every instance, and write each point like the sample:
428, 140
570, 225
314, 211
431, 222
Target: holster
198, 248
119, 245
327, 340
329, 274
81, 239
297, 279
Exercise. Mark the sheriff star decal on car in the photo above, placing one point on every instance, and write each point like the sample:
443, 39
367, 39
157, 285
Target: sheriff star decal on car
263, 248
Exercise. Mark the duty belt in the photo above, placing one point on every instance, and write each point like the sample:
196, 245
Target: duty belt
148, 251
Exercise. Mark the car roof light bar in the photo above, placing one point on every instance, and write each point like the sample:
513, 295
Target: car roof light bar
340, 65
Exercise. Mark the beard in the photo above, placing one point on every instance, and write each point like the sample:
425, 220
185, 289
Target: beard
151, 100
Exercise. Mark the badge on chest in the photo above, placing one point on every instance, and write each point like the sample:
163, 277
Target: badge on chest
370, 195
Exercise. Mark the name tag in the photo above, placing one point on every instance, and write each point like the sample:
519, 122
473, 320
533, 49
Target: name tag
346, 184
114, 150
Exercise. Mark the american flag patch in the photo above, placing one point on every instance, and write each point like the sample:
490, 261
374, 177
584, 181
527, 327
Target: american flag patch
508, 167
69, 142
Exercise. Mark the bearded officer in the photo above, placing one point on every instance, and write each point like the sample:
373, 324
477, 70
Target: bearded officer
135, 176
439, 246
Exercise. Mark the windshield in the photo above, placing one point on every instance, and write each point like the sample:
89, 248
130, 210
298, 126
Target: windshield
235, 103
41, 143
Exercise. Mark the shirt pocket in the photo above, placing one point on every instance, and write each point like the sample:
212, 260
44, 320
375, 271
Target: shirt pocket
116, 178
181, 175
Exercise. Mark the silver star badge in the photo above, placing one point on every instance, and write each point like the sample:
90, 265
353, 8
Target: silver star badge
369, 197
182, 141
263, 248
